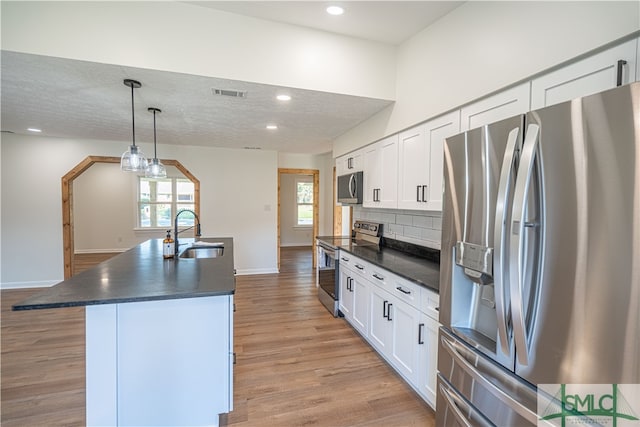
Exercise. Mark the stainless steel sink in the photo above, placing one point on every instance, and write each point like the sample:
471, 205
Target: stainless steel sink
203, 251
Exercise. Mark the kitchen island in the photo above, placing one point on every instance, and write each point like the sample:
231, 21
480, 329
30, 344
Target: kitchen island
159, 335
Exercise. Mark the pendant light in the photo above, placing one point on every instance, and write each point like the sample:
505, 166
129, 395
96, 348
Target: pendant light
155, 169
133, 160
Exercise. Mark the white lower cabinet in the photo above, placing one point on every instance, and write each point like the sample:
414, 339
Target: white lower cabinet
360, 305
398, 318
379, 325
405, 321
354, 299
428, 355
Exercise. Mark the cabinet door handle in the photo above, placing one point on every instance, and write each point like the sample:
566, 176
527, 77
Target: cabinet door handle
420, 328
404, 291
384, 308
378, 277
351, 288
389, 312
424, 188
418, 193
349, 164
621, 63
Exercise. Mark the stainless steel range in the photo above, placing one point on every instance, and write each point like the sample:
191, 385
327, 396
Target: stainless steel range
328, 272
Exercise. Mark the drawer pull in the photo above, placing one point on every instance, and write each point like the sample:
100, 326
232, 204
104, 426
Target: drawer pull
404, 291
359, 267
378, 277
344, 259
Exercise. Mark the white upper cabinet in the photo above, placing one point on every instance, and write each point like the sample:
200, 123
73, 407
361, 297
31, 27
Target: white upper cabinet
349, 163
605, 70
381, 174
502, 105
420, 158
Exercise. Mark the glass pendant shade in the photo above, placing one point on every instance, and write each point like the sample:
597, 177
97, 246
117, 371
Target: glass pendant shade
155, 169
133, 160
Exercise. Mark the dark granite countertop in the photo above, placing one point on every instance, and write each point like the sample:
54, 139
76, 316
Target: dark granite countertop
142, 274
420, 270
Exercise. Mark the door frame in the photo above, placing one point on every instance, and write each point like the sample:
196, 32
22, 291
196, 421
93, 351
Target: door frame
67, 201
316, 204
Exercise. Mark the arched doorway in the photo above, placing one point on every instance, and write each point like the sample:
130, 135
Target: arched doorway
67, 201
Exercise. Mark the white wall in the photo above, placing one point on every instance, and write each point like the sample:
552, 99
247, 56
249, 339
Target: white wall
481, 47
184, 38
105, 210
239, 205
290, 234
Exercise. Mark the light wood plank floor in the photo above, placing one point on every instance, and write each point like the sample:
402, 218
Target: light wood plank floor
296, 365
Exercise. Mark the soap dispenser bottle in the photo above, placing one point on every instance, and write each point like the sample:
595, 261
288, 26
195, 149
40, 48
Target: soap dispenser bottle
168, 246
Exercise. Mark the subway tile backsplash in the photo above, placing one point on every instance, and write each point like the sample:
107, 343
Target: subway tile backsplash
420, 228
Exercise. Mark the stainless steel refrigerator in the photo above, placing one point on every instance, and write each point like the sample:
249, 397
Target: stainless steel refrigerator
540, 259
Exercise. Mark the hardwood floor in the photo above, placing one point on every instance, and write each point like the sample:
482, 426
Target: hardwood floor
296, 364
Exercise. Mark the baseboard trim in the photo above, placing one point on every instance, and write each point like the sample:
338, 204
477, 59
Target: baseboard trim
99, 251
252, 271
27, 285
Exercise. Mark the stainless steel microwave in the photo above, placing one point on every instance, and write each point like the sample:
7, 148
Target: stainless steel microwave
350, 188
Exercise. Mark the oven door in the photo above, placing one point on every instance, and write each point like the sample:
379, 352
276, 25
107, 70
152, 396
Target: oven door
326, 278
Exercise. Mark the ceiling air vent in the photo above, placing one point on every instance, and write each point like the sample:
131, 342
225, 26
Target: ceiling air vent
231, 93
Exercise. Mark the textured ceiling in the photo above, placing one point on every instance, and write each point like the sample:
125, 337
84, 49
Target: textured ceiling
389, 22
79, 99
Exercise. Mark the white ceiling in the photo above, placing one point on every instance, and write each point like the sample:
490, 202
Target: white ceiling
389, 22
79, 99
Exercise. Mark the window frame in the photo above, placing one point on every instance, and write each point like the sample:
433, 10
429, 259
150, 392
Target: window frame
305, 180
174, 202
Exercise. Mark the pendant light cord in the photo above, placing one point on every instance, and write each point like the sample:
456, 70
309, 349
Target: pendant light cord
155, 151
133, 119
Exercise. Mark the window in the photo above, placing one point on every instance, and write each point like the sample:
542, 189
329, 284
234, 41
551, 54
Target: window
159, 200
304, 202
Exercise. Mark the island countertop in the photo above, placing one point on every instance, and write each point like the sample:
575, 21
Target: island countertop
142, 274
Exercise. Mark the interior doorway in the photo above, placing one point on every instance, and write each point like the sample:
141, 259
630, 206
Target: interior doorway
67, 202
315, 179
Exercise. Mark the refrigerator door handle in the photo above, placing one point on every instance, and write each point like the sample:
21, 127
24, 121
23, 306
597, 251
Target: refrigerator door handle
499, 246
455, 349
516, 249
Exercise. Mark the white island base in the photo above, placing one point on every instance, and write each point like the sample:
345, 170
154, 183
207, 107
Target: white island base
161, 362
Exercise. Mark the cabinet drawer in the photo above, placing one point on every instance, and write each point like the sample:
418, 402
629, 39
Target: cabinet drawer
354, 263
401, 288
430, 304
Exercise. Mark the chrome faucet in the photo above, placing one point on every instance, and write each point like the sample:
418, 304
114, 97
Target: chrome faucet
197, 225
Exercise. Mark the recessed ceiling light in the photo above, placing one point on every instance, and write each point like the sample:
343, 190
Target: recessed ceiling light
272, 127
335, 10
283, 98
34, 130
